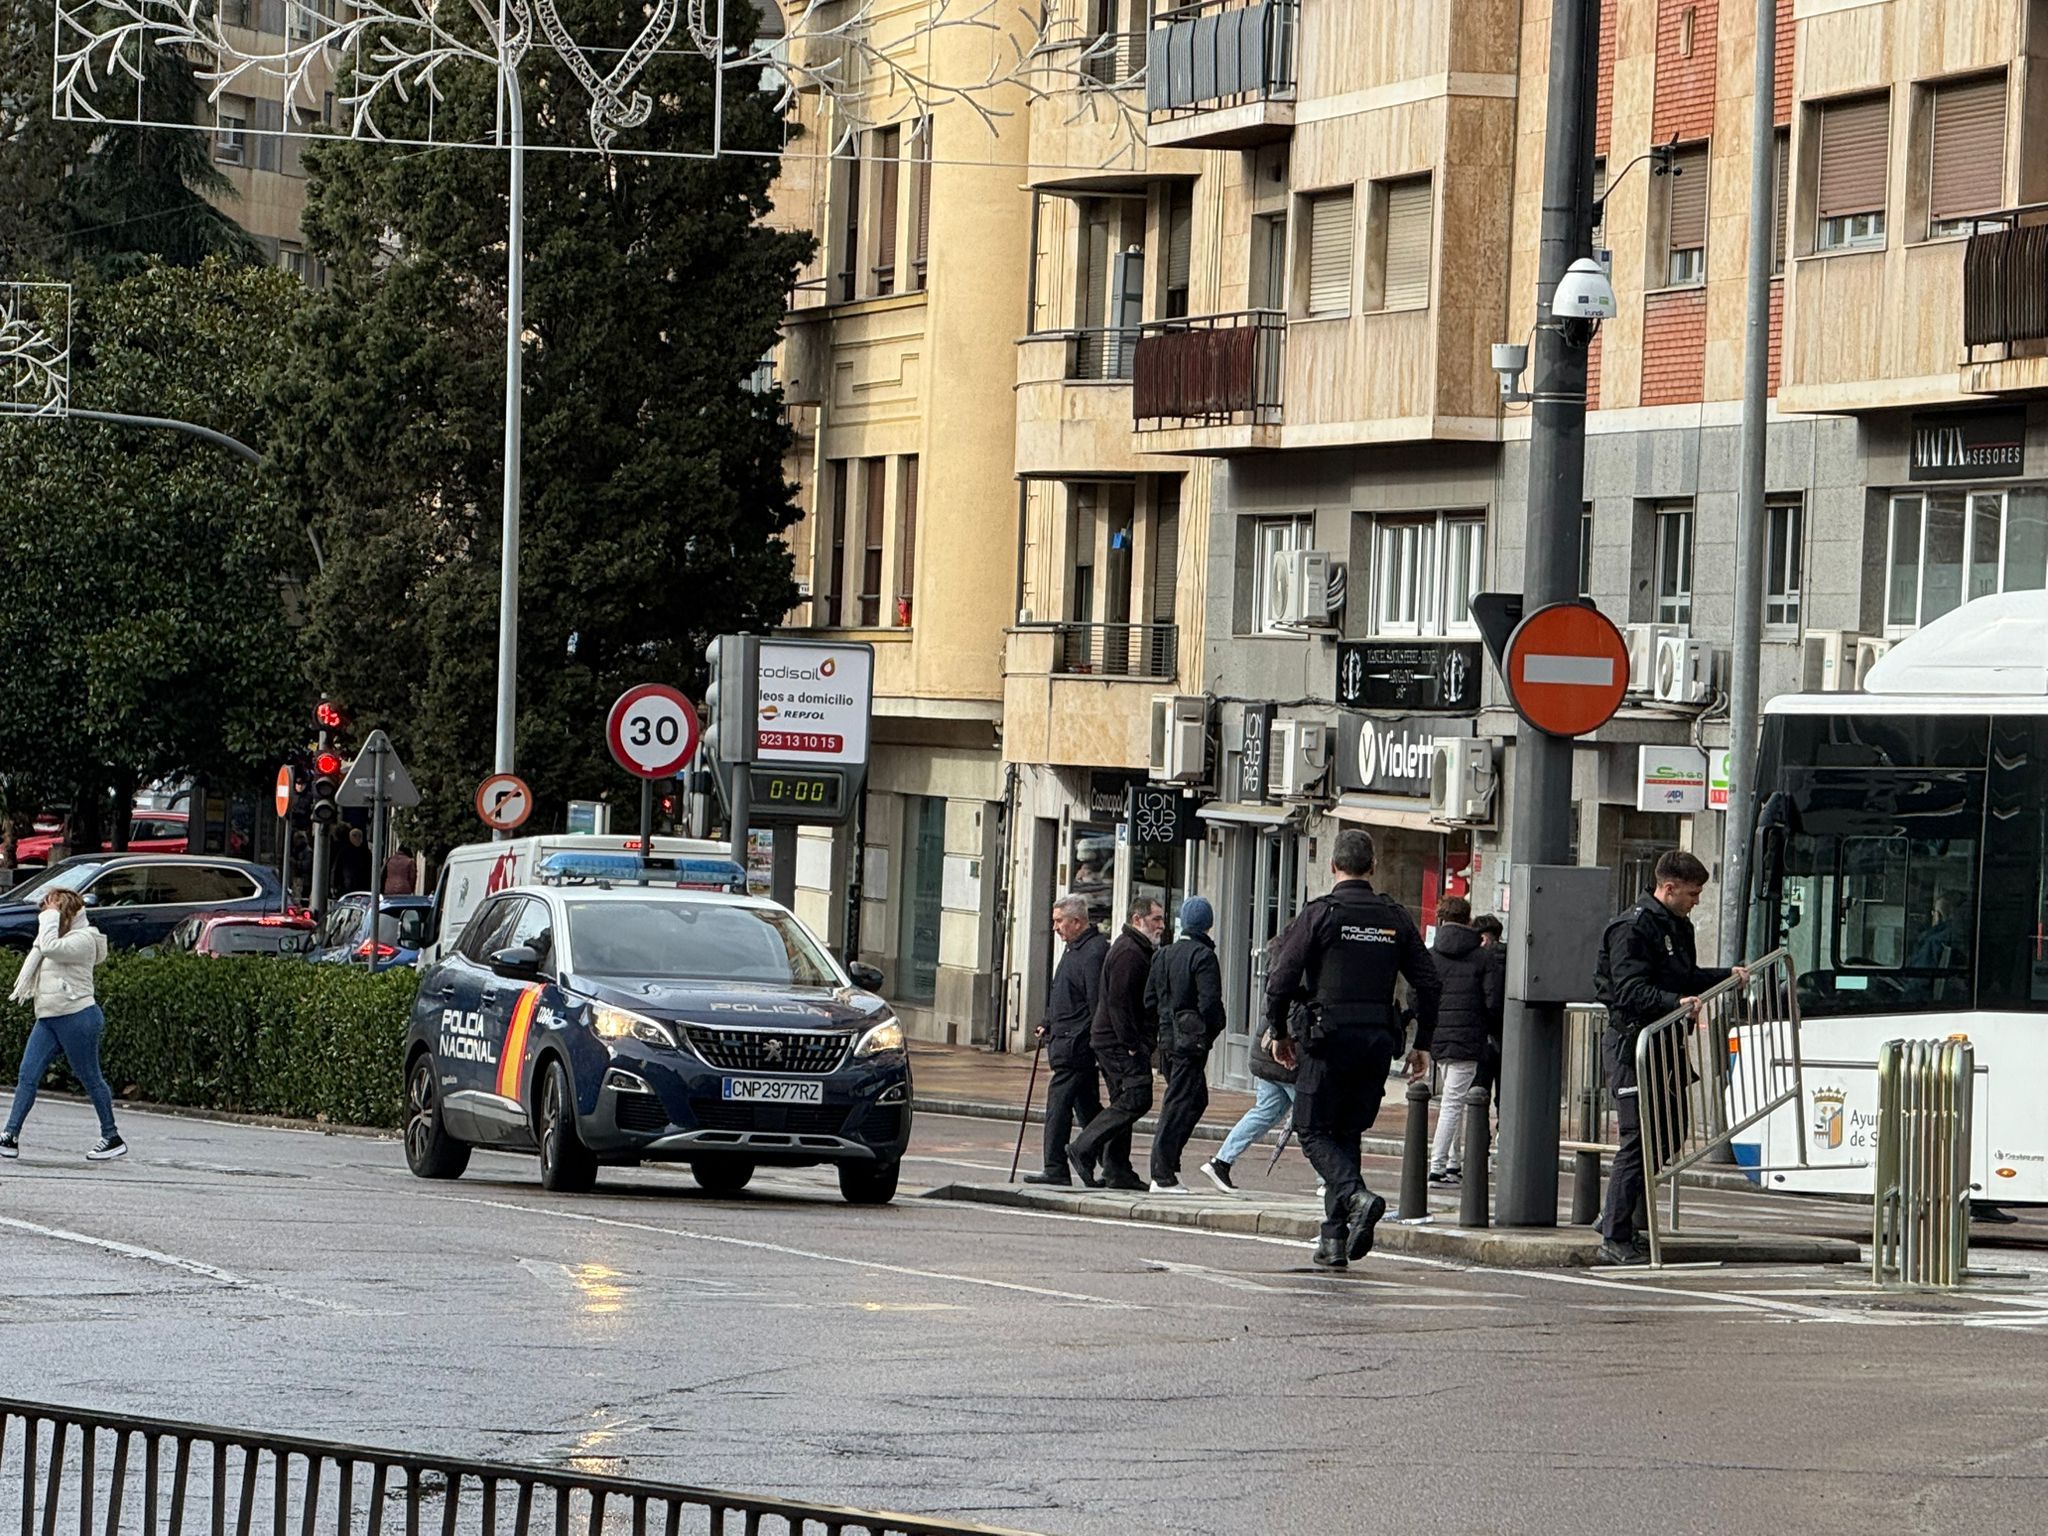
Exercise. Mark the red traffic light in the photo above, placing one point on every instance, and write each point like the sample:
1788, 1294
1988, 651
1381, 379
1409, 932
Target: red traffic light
330, 715
327, 765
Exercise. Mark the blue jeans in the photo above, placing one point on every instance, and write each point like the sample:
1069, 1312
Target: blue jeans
1268, 1110
77, 1035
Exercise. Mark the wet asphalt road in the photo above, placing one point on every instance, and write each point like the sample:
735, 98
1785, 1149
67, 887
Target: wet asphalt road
1048, 1373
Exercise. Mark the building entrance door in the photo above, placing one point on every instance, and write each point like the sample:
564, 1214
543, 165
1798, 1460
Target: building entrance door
1264, 882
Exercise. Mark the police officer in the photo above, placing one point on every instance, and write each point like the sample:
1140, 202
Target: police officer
1341, 957
1649, 968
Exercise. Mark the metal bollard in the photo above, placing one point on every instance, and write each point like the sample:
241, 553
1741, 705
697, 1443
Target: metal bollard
1585, 1188
1472, 1191
1415, 1155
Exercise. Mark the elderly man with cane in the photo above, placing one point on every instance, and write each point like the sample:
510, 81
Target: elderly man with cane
1073, 1097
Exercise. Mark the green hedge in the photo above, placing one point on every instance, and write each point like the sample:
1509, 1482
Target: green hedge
255, 1035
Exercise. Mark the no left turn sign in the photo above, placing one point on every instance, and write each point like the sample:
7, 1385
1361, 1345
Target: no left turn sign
653, 731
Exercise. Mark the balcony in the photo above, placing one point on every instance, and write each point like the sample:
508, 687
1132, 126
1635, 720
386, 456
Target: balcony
1074, 403
1219, 74
2005, 303
1081, 694
1208, 384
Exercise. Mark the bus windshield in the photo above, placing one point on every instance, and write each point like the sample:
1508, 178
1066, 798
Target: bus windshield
1902, 861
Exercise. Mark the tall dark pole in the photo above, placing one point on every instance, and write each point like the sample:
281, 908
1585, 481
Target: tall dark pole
1533, 1052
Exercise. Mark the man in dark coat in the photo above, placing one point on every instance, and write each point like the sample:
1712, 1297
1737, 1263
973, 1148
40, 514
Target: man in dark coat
1124, 1035
1649, 968
1468, 1024
1185, 994
1074, 1095
1342, 957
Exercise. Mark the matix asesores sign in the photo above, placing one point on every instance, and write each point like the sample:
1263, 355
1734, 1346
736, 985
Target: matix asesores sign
1378, 756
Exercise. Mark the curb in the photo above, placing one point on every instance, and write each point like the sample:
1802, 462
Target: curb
1488, 1247
226, 1116
1375, 1146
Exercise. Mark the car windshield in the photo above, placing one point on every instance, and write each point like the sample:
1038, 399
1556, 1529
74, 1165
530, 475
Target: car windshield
695, 941
65, 877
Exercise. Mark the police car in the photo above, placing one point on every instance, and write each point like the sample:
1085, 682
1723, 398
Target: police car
599, 1021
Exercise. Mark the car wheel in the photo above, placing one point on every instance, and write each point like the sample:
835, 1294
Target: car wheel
868, 1183
430, 1151
722, 1175
566, 1165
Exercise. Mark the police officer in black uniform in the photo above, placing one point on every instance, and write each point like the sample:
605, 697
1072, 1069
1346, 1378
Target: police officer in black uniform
1341, 957
1649, 968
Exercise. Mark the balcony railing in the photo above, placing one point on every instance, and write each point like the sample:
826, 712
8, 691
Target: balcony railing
2005, 279
1218, 54
1209, 370
1100, 355
1144, 651
1112, 58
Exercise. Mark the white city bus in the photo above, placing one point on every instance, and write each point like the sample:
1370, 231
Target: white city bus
1901, 856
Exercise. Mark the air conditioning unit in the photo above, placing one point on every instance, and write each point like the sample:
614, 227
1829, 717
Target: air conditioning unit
1297, 753
1828, 661
1180, 737
1685, 670
1461, 779
1870, 650
1298, 587
1642, 641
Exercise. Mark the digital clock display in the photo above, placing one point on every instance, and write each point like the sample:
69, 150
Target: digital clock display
795, 791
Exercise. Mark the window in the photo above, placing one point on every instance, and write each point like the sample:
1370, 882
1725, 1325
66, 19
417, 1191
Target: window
847, 277
1784, 543
1781, 172
694, 941
533, 928
1600, 204
266, 125
889, 176
1425, 573
1685, 214
1966, 158
1946, 548
1586, 555
191, 884
1329, 253
1178, 214
231, 134
1407, 228
1165, 548
827, 585
1855, 148
1674, 562
921, 230
921, 897
906, 543
1270, 539
875, 483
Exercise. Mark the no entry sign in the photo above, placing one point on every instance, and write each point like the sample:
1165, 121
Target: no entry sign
1567, 669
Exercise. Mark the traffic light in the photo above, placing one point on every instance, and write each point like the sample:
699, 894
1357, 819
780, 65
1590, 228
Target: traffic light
730, 730
326, 761
713, 655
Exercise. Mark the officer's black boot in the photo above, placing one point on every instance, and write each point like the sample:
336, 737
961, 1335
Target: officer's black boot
1365, 1210
1330, 1253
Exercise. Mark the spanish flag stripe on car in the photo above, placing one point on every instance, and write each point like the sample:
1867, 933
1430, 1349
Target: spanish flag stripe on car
512, 1060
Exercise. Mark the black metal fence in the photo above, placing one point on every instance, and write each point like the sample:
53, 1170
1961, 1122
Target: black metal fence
97, 1474
1209, 370
1115, 650
2005, 279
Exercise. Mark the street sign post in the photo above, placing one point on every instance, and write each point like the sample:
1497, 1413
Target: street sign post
377, 779
503, 802
1567, 669
653, 733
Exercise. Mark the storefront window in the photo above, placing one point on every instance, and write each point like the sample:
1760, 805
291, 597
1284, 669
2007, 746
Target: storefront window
1950, 547
1160, 871
1091, 866
924, 875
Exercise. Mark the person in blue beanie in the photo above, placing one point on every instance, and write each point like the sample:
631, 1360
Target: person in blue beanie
1185, 991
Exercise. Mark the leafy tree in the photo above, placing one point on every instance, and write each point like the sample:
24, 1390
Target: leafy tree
653, 475
147, 573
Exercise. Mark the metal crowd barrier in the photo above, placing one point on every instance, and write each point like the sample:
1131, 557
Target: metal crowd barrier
92, 1473
1703, 1078
1920, 1222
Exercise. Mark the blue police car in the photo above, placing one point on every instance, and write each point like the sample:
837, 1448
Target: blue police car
615, 1023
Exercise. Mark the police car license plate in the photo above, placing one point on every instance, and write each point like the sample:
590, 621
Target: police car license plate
773, 1090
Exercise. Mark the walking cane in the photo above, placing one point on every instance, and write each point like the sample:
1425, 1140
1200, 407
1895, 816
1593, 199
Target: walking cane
1286, 1136
1018, 1156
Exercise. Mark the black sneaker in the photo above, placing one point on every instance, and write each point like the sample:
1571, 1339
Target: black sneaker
1443, 1176
9, 1147
1218, 1173
1366, 1211
107, 1148
1330, 1253
1620, 1258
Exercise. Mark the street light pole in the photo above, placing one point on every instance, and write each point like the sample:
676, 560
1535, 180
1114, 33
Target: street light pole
1744, 683
1532, 1051
515, 325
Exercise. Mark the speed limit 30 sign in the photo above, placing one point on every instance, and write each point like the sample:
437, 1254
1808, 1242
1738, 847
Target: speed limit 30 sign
653, 731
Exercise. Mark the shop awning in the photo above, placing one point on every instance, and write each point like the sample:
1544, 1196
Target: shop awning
1386, 811
1245, 815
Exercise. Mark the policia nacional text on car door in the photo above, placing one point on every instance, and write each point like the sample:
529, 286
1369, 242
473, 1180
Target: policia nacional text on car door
617, 1026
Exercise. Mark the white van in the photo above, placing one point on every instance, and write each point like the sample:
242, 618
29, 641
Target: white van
475, 870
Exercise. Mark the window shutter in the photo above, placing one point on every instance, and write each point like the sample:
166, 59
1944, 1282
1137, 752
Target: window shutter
906, 541
1165, 550
922, 239
1686, 197
889, 166
1855, 146
1968, 174
1329, 253
1180, 220
1410, 210
1781, 220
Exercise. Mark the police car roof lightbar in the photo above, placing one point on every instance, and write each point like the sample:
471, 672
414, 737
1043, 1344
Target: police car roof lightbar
608, 869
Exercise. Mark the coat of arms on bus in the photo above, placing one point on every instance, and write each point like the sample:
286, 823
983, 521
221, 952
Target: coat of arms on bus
1829, 1120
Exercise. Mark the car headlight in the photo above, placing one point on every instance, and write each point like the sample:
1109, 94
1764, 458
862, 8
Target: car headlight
622, 1024
886, 1036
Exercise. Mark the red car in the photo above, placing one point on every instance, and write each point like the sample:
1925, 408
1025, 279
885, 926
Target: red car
242, 933
148, 832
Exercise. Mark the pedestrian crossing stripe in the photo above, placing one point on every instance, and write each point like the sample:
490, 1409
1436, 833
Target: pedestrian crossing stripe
512, 1060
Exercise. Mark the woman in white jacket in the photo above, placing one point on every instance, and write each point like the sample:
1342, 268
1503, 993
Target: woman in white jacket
57, 976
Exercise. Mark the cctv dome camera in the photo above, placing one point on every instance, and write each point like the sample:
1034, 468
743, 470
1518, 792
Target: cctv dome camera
1583, 293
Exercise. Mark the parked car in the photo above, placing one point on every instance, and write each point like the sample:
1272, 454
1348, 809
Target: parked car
344, 938
137, 899
241, 933
148, 832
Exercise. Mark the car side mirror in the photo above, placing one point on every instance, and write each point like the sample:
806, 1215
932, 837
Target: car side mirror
520, 962
867, 977
90, 898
